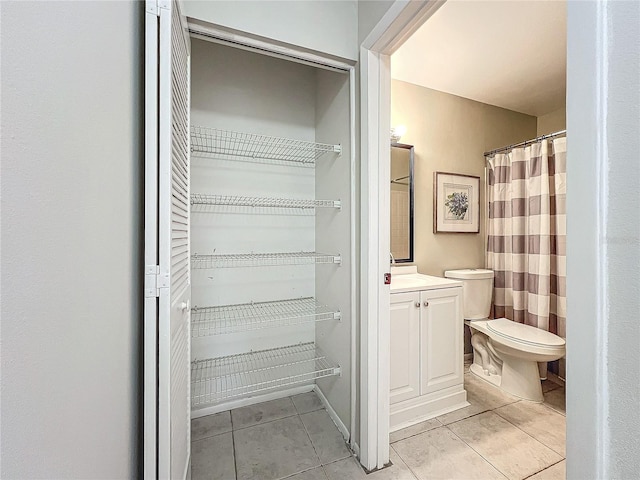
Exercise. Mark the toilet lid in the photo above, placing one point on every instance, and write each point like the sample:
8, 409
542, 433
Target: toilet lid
524, 333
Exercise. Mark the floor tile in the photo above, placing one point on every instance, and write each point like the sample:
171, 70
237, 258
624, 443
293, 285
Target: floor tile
313, 474
555, 472
542, 423
212, 458
262, 412
325, 436
506, 447
556, 399
476, 406
273, 450
439, 454
481, 396
548, 385
350, 469
210, 425
307, 402
414, 430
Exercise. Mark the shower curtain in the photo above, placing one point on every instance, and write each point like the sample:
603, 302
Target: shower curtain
527, 234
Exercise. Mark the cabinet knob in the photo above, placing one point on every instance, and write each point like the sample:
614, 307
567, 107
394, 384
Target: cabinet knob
417, 304
426, 304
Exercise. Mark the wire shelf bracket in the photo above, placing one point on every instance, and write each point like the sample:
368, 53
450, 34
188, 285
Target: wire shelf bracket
216, 142
224, 319
221, 379
262, 260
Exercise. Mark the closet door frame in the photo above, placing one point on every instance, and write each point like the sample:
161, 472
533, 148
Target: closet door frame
394, 28
234, 38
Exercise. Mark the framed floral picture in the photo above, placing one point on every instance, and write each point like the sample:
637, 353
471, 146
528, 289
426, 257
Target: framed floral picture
456, 203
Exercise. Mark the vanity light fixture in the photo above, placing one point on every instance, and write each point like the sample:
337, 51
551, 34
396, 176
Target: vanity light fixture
397, 133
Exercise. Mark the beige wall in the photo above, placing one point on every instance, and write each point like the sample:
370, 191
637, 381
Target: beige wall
450, 134
552, 122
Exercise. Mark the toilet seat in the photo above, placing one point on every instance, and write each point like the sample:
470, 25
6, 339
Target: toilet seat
525, 334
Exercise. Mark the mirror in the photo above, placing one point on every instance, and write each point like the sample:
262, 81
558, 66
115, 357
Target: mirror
402, 202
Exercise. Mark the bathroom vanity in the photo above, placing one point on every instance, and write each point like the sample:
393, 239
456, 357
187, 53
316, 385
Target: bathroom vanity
426, 378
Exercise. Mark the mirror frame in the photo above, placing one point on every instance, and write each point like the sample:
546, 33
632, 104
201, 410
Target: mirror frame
411, 188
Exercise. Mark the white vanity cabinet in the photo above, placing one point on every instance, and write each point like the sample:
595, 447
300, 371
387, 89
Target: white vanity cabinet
426, 339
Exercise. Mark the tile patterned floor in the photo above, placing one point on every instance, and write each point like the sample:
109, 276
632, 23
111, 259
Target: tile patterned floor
497, 437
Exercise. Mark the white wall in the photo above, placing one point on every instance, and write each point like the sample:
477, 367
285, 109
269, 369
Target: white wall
71, 224
324, 26
370, 12
553, 121
622, 237
233, 89
603, 233
450, 134
333, 235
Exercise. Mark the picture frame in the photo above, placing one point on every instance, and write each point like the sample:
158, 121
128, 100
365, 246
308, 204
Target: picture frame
456, 203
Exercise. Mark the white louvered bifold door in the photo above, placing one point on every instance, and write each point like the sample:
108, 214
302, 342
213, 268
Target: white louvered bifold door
172, 279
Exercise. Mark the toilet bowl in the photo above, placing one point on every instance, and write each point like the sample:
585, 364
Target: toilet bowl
513, 351
505, 353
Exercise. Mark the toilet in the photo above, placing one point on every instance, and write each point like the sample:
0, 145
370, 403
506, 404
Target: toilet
505, 353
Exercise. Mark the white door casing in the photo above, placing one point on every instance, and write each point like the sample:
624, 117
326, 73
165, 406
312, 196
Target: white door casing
401, 20
167, 372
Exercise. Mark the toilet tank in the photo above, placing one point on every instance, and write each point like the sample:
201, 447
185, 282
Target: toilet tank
477, 290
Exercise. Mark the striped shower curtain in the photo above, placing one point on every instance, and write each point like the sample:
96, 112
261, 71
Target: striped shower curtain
527, 234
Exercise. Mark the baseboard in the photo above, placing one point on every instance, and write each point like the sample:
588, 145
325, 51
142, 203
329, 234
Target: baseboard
332, 413
356, 450
409, 412
245, 402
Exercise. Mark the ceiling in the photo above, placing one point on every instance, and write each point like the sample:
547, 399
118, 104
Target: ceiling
511, 54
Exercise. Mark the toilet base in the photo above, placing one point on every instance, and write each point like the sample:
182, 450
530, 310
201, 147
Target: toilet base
519, 378
522, 378
478, 371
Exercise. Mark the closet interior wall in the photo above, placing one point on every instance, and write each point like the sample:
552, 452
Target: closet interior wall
333, 286
242, 91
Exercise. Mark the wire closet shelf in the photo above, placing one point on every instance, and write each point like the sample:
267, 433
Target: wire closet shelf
215, 142
224, 378
200, 202
262, 259
223, 319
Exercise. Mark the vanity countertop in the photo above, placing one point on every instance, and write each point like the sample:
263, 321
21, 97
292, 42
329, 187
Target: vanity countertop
407, 279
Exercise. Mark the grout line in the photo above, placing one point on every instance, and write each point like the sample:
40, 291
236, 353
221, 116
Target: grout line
267, 422
465, 418
303, 471
528, 434
311, 441
213, 435
235, 458
479, 454
557, 410
545, 468
415, 475
294, 405
320, 407
419, 433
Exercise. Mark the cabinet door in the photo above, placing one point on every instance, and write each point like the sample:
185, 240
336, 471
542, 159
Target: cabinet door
441, 339
405, 346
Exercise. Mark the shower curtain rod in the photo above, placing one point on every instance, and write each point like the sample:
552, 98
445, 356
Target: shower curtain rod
527, 142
